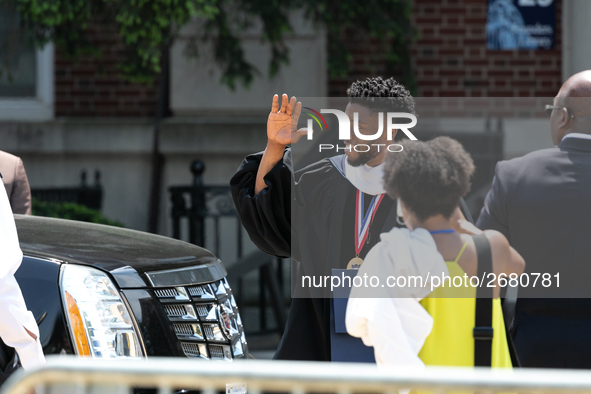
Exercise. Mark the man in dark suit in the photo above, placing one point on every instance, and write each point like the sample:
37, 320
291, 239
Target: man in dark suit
542, 203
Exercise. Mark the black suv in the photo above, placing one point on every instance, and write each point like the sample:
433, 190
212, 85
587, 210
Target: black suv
102, 291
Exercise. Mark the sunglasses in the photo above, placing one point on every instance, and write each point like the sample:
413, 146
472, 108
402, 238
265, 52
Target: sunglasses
550, 108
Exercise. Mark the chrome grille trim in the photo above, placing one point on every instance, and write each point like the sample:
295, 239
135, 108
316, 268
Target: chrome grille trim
196, 291
205, 312
183, 329
172, 294
184, 311
219, 352
166, 293
220, 288
216, 351
202, 292
188, 331
209, 272
214, 333
207, 328
202, 310
194, 349
175, 310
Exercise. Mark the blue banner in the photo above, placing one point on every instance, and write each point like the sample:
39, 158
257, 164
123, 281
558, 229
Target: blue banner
521, 24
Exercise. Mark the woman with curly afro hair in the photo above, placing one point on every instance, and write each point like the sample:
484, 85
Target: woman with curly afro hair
429, 178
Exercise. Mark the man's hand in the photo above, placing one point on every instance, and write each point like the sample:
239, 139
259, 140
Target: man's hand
281, 131
283, 122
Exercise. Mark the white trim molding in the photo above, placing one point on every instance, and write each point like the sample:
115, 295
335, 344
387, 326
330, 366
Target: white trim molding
40, 108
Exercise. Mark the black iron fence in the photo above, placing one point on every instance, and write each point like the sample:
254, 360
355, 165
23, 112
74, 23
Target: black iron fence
205, 216
90, 196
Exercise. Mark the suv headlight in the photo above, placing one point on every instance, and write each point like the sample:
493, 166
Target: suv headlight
100, 323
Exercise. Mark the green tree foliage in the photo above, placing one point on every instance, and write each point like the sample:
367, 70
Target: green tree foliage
147, 26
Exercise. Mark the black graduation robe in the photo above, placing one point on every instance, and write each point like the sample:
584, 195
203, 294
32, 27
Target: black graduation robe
320, 235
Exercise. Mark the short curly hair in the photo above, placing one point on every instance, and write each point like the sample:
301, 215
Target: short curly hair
381, 95
430, 177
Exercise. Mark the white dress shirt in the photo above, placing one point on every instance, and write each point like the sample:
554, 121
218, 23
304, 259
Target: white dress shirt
14, 316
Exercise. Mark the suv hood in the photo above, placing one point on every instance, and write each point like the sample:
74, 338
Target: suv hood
133, 258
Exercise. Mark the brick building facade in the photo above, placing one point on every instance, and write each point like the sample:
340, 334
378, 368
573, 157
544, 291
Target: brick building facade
93, 87
449, 59
85, 116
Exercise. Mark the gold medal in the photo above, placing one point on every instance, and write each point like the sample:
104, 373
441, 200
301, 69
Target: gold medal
355, 263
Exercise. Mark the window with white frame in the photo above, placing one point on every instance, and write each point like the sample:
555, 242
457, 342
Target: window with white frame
26, 73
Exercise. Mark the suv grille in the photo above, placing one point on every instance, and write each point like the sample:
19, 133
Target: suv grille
165, 293
205, 320
194, 349
219, 352
180, 312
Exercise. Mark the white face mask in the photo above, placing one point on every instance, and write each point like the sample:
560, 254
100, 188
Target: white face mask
399, 213
370, 180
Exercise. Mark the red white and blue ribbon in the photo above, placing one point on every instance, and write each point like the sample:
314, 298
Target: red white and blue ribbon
362, 222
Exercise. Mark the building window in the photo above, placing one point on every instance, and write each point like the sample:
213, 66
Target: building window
26, 74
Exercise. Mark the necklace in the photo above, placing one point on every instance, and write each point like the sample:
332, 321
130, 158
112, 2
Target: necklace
446, 231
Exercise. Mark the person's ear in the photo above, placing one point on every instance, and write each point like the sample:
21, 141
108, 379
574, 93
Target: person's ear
565, 118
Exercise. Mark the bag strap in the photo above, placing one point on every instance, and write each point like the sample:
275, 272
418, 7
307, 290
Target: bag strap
466, 211
483, 331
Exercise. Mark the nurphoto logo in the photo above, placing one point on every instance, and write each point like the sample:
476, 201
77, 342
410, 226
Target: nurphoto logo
345, 129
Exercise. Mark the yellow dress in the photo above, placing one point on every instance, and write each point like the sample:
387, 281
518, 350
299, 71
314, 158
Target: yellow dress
453, 311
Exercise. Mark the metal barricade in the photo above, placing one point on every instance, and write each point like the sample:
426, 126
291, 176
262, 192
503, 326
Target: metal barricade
67, 374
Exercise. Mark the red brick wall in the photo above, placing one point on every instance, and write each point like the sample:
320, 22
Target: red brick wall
368, 61
92, 86
450, 57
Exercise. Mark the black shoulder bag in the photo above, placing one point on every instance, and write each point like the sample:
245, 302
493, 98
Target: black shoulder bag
483, 331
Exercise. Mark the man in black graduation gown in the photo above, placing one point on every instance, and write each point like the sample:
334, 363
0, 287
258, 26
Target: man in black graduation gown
321, 233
